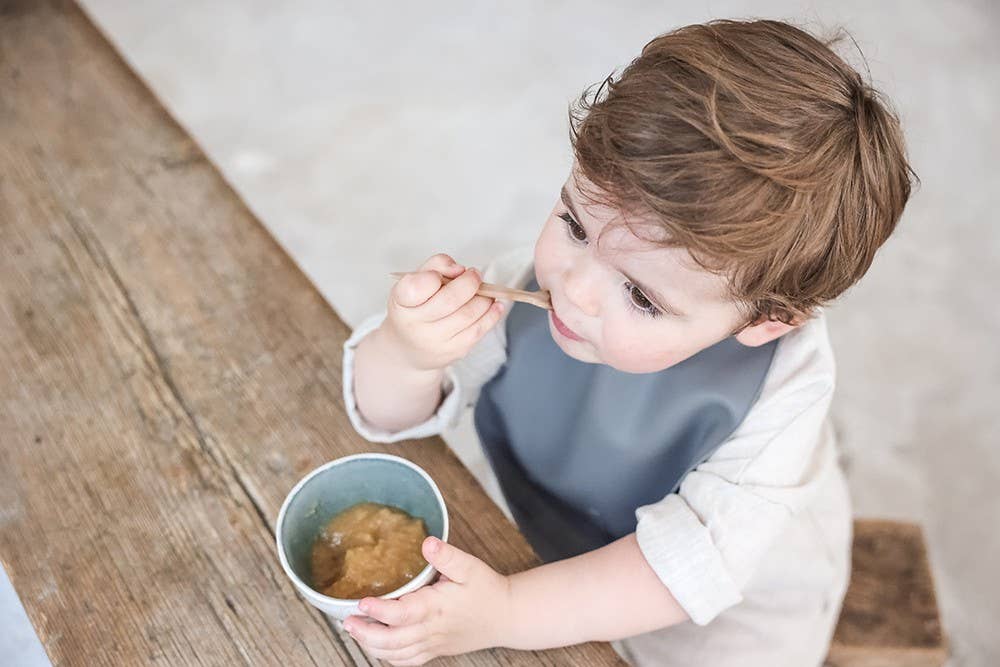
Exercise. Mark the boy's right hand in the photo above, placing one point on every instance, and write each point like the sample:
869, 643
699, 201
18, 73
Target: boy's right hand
434, 324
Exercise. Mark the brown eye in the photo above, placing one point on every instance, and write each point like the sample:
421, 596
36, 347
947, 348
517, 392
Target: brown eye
573, 228
639, 302
639, 298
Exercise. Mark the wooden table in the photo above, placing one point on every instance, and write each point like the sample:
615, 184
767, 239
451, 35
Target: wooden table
166, 375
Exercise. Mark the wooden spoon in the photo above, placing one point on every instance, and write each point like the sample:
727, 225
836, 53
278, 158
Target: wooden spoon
539, 298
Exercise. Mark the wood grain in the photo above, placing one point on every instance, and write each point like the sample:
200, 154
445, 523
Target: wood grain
166, 375
889, 616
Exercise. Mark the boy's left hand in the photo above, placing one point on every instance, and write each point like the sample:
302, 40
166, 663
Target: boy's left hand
463, 611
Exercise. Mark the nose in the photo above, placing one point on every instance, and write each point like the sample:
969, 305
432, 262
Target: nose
580, 284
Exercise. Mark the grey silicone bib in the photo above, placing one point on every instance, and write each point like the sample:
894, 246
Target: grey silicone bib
577, 447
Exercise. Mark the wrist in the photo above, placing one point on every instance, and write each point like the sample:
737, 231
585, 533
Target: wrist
506, 632
392, 347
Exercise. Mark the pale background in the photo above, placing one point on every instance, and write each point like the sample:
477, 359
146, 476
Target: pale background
367, 137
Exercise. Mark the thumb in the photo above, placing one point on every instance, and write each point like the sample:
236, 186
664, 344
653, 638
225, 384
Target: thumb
450, 561
414, 289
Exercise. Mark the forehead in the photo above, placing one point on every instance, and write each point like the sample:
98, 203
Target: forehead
671, 270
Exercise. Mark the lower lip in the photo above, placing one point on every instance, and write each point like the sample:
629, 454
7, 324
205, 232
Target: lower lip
562, 328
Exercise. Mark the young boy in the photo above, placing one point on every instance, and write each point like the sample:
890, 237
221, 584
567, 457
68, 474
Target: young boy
661, 436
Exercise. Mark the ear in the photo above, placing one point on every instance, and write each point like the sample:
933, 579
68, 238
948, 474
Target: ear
764, 331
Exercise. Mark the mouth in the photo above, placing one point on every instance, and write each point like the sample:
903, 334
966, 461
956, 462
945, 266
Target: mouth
562, 328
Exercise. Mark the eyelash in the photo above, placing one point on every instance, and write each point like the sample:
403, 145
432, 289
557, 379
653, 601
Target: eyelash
651, 311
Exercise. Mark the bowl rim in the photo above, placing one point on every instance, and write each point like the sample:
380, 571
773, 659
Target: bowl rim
308, 590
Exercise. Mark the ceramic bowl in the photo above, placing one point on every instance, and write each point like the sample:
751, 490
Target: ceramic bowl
339, 484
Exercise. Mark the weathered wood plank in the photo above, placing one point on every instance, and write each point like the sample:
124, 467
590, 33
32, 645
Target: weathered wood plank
890, 616
166, 375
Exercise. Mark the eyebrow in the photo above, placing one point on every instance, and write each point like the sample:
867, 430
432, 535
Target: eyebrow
660, 301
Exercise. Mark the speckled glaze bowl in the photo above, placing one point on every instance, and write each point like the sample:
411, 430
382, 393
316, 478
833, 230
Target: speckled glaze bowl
339, 484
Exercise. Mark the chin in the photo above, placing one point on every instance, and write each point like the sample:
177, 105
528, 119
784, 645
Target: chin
575, 349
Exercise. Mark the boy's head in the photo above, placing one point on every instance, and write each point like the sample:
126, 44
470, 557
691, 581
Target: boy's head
736, 177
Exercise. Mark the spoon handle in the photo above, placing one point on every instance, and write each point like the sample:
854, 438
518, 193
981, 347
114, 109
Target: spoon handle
539, 299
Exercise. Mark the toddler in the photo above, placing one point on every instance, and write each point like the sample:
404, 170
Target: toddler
661, 436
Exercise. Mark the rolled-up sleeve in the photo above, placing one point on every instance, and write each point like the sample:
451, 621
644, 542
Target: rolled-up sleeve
705, 541
463, 379
444, 417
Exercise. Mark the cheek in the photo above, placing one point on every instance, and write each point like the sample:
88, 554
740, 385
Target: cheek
626, 348
547, 250
640, 357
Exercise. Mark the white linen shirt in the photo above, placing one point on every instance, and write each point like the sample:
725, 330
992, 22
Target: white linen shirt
706, 541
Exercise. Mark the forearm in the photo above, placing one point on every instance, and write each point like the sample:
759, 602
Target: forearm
602, 595
389, 394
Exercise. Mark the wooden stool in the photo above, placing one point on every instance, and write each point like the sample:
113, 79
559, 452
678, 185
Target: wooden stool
890, 616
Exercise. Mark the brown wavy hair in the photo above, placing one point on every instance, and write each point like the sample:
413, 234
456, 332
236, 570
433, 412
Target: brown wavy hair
758, 150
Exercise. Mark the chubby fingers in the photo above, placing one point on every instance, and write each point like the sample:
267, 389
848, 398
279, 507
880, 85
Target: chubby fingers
450, 561
442, 263
415, 289
374, 635
408, 610
452, 296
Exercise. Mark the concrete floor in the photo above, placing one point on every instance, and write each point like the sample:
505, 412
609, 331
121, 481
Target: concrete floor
443, 126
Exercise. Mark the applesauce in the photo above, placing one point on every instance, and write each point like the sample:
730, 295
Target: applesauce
369, 549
